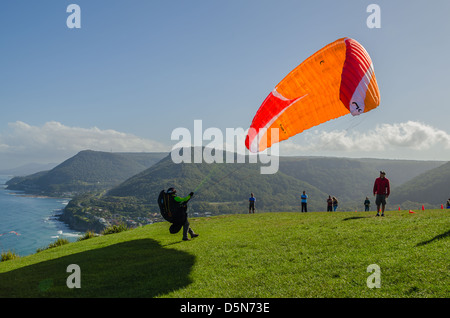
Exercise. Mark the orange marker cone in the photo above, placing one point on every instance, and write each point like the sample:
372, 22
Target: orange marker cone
423, 208
411, 211
442, 207
399, 208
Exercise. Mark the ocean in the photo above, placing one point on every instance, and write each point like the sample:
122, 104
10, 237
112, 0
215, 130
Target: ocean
28, 222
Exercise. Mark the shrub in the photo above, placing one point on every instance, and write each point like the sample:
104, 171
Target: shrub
6, 256
115, 229
87, 235
58, 242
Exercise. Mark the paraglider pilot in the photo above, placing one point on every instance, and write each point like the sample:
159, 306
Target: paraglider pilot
180, 214
381, 189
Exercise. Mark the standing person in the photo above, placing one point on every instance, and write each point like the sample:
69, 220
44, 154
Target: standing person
251, 205
382, 190
329, 204
448, 204
304, 198
366, 204
335, 204
180, 214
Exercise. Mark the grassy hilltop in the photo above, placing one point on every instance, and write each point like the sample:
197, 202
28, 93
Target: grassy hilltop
262, 255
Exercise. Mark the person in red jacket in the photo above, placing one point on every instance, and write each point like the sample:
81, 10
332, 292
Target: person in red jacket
381, 189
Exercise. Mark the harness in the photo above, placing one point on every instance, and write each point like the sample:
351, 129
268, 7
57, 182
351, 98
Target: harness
171, 211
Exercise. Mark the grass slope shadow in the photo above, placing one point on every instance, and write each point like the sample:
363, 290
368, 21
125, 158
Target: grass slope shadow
138, 268
437, 237
355, 218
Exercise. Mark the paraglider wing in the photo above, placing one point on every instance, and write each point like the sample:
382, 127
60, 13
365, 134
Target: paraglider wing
10, 232
337, 80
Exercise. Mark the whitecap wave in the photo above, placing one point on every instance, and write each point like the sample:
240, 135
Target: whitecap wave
68, 234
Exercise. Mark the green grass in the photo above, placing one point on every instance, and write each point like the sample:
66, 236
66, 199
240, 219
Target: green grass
261, 255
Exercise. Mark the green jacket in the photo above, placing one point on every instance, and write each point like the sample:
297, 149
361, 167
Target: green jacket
179, 199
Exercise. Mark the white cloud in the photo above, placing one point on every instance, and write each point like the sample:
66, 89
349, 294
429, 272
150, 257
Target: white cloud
54, 141
410, 135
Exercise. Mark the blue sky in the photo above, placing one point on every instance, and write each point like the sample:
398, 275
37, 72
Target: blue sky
136, 70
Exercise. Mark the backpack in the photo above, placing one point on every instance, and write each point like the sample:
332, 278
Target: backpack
171, 210
163, 203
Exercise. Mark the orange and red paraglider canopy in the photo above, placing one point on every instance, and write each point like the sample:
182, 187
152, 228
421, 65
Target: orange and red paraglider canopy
337, 80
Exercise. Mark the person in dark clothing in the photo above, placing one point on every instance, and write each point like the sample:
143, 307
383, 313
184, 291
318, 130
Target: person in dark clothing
382, 190
304, 198
251, 203
329, 204
335, 204
366, 204
180, 218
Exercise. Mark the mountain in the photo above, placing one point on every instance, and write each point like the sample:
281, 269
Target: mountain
431, 187
223, 188
220, 188
86, 171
